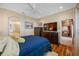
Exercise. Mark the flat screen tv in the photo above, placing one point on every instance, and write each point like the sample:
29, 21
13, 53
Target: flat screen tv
50, 26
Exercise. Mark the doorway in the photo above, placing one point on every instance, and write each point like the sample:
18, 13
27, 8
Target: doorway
13, 26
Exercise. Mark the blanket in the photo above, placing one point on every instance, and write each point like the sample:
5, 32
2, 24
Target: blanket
9, 47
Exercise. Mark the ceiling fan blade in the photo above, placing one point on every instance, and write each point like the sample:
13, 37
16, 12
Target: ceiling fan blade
30, 5
32, 9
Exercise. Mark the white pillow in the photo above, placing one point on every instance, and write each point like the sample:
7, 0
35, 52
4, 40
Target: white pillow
21, 40
17, 37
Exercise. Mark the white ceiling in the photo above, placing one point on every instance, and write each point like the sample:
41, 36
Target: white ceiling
37, 10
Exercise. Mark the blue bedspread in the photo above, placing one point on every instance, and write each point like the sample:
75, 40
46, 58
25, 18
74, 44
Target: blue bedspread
34, 46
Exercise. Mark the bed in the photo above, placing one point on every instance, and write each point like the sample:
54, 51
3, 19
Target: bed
34, 46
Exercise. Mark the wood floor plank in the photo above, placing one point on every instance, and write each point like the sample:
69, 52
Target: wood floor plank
62, 50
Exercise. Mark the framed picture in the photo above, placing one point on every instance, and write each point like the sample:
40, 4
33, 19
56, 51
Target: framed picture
50, 26
28, 25
67, 28
40, 24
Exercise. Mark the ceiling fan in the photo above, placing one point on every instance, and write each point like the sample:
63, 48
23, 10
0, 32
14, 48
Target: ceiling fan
32, 8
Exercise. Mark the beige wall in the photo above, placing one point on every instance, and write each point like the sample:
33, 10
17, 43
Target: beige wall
6, 14
69, 14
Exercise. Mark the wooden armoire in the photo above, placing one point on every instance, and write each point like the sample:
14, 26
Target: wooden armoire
51, 36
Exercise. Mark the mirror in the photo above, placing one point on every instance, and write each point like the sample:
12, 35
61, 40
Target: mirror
67, 28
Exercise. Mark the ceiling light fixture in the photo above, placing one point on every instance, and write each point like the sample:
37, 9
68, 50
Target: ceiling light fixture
61, 7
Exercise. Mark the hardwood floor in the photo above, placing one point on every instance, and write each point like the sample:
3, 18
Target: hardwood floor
63, 50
